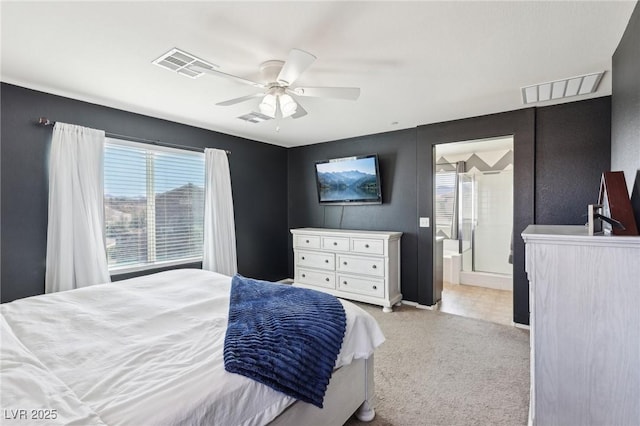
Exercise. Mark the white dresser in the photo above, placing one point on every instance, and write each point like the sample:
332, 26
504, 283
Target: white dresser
585, 326
356, 265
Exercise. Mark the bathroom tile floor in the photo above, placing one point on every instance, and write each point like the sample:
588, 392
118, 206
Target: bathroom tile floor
477, 302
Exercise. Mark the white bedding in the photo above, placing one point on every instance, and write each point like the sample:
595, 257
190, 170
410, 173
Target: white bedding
141, 351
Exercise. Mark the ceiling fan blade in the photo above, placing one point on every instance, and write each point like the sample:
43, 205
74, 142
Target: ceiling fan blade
240, 99
300, 112
348, 93
297, 62
225, 75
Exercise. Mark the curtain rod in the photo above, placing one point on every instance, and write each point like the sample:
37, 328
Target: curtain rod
43, 121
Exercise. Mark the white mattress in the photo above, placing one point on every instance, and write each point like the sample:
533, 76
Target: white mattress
141, 351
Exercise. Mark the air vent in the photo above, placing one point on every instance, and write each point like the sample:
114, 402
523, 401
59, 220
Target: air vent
179, 61
573, 86
254, 117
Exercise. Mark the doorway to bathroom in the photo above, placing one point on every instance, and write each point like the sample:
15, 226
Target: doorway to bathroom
473, 208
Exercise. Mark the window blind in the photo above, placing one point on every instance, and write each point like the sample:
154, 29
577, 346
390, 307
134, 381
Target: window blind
445, 203
154, 204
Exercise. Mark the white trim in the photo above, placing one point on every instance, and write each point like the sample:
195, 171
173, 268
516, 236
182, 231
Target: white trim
487, 280
419, 306
117, 270
520, 326
149, 146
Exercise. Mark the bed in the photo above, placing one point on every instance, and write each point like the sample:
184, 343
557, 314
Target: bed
149, 351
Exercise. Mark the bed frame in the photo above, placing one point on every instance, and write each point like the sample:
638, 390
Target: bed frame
350, 390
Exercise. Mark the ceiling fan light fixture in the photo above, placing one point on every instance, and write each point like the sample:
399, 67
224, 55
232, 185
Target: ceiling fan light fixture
288, 106
268, 105
278, 99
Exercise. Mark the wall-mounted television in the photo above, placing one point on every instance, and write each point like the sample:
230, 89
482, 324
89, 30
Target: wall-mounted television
349, 180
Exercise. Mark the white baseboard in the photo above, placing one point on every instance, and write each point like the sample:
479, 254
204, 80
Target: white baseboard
482, 279
419, 306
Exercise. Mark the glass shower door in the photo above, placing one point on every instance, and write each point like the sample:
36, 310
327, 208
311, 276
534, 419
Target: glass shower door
494, 222
466, 218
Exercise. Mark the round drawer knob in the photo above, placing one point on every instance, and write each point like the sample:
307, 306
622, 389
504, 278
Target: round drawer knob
344, 263
326, 261
335, 243
302, 257
366, 246
326, 279
303, 275
307, 241
374, 267
375, 288
344, 282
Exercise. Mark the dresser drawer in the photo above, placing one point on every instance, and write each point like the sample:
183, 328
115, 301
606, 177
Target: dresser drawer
317, 278
356, 265
361, 265
335, 243
368, 246
308, 241
313, 259
369, 286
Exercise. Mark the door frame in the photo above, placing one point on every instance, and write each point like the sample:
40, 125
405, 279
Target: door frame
520, 124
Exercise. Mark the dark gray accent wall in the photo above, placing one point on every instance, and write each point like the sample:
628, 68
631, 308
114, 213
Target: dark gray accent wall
520, 124
406, 164
258, 175
625, 111
397, 162
573, 149
274, 188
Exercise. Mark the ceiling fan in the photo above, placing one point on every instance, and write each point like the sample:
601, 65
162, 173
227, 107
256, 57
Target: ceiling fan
277, 90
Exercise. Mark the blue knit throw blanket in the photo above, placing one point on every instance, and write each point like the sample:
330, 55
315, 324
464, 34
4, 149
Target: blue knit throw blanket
285, 337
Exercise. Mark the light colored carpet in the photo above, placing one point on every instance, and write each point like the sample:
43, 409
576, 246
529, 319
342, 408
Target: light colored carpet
442, 369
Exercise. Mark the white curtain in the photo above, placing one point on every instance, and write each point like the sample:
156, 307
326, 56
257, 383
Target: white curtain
76, 255
219, 224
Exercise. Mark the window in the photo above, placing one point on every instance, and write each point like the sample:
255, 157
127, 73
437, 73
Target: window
445, 203
153, 205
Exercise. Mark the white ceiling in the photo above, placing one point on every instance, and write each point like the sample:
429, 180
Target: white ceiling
416, 62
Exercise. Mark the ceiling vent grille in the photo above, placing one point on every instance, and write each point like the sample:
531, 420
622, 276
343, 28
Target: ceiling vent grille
580, 85
254, 117
179, 61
